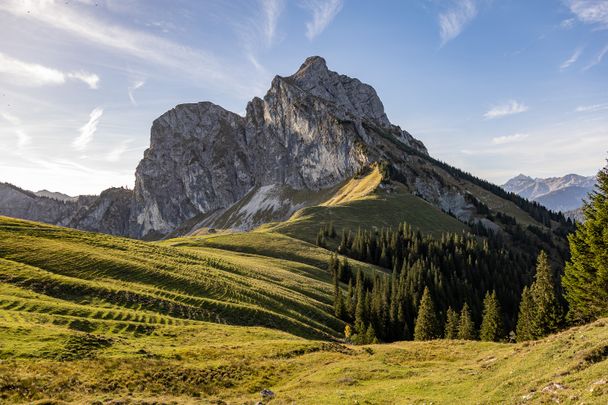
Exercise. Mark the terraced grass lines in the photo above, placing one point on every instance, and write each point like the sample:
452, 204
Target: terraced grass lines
82, 274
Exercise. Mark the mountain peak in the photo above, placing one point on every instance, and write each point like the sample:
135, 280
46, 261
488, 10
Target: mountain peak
313, 71
314, 63
314, 77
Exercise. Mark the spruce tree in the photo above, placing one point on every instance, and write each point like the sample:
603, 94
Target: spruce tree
525, 320
451, 324
331, 231
547, 316
466, 326
321, 238
349, 305
339, 306
492, 322
359, 304
586, 274
426, 322
370, 335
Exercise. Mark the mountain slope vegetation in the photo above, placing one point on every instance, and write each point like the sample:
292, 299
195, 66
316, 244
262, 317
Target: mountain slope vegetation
95, 279
88, 317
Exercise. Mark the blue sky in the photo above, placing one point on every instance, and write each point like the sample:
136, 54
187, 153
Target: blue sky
493, 87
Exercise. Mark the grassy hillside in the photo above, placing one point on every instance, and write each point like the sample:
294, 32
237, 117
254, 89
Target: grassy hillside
379, 209
215, 318
210, 363
94, 281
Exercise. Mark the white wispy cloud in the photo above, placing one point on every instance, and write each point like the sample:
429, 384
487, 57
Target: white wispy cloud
590, 11
572, 59
258, 31
453, 20
131, 89
23, 139
598, 58
323, 13
567, 23
115, 154
87, 131
91, 79
10, 118
509, 108
271, 11
592, 108
501, 140
33, 75
203, 66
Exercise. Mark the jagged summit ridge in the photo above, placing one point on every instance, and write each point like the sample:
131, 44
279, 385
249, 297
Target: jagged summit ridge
315, 78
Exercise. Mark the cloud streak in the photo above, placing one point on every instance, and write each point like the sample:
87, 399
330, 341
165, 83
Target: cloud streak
572, 59
195, 63
509, 108
131, 89
271, 10
592, 108
115, 154
23, 138
35, 75
323, 13
453, 21
87, 131
598, 58
501, 140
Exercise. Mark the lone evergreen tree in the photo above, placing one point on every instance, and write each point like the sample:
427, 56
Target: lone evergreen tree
349, 305
466, 326
370, 335
492, 322
339, 306
359, 305
586, 274
547, 316
426, 322
451, 324
525, 320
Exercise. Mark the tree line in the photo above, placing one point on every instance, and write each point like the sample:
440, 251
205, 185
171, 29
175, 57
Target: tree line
457, 268
467, 287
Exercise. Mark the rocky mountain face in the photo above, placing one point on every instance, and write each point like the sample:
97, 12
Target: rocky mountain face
556, 193
107, 213
311, 130
209, 167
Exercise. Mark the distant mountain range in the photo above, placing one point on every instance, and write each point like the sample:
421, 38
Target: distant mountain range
564, 194
55, 195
